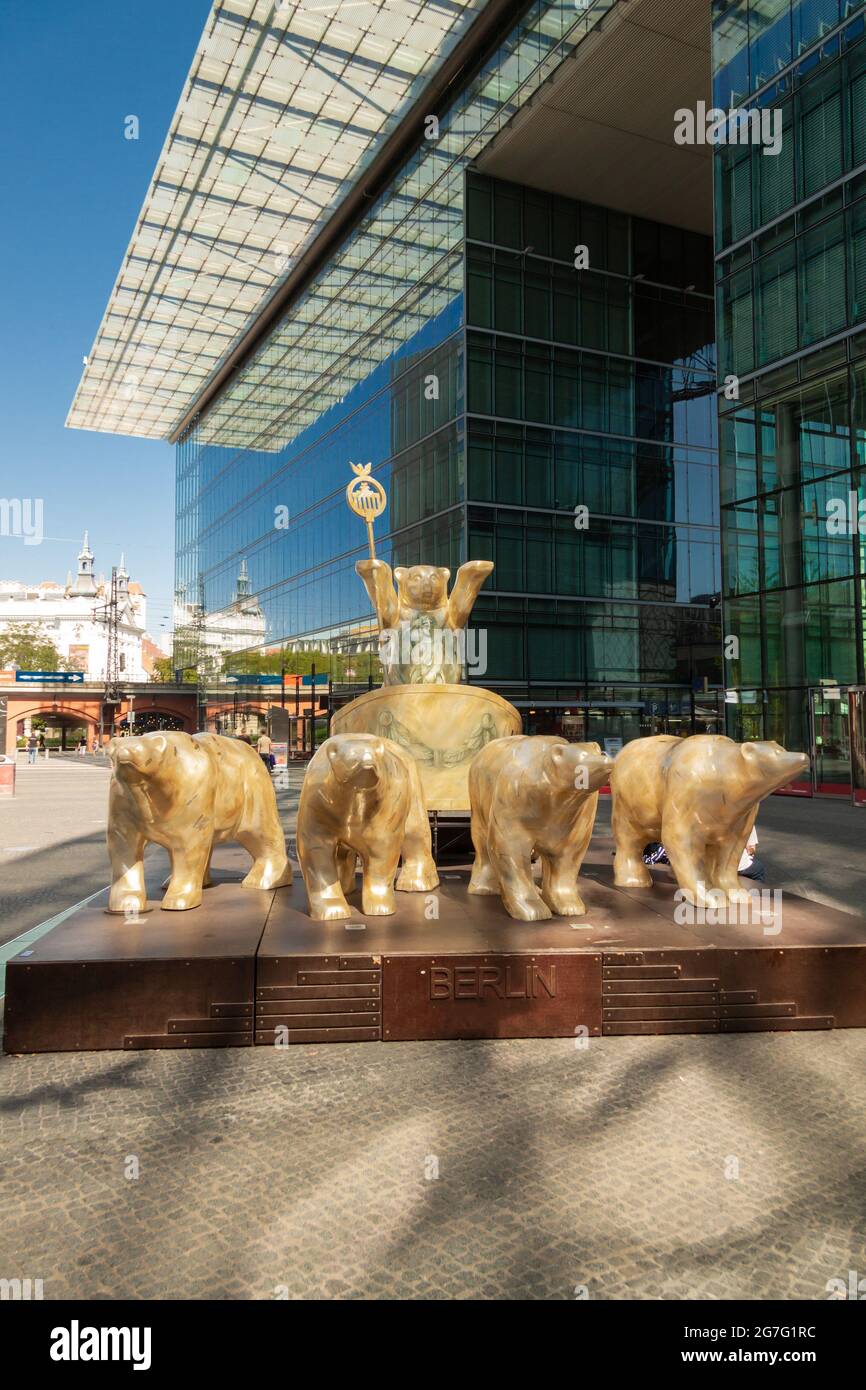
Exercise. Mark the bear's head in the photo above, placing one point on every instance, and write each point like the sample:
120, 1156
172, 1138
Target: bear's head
768, 766
355, 759
137, 757
422, 586
578, 766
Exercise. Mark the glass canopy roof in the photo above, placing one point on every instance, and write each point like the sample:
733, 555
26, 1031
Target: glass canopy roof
286, 103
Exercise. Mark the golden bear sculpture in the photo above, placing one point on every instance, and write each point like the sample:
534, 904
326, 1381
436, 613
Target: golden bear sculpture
534, 794
699, 796
188, 793
362, 796
422, 637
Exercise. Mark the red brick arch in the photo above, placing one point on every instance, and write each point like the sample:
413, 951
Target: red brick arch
86, 708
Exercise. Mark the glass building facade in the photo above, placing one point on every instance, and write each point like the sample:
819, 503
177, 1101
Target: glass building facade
791, 328
497, 390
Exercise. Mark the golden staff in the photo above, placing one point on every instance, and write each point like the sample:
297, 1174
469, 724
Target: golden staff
367, 498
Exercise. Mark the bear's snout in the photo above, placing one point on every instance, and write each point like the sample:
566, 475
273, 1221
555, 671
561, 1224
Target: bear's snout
364, 773
355, 766
596, 769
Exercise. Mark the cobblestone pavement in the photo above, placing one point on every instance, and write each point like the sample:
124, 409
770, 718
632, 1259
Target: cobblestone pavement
52, 841
661, 1167
311, 1171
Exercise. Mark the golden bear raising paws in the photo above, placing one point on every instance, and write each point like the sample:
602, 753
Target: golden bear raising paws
698, 796
362, 796
534, 794
188, 793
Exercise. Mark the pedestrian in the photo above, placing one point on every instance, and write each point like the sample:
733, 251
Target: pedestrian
32, 747
82, 748
263, 748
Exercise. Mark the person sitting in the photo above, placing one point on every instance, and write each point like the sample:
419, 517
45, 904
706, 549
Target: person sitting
750, 866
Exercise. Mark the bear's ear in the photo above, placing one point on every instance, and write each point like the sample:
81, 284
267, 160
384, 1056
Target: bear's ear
159, 743
749, 752
331, 749
400, 574
379, 750
445, 573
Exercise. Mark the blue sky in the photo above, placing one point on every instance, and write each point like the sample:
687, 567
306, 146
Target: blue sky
70, 71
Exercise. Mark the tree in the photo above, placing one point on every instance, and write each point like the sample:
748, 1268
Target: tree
334, 664
30, 648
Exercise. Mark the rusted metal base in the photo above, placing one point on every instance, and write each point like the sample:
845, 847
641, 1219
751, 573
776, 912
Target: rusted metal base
169, 979
253, 968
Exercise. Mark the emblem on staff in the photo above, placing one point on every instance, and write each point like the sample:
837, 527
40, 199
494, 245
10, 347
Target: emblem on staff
367, 498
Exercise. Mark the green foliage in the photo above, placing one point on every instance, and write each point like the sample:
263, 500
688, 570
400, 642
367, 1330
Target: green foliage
335, 664
30, 647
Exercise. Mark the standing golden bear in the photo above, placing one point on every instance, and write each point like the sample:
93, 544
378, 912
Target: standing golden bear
534, 794
699, 796
362, 796
422, 627
188, 793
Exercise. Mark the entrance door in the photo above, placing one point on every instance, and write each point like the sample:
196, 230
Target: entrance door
831, 742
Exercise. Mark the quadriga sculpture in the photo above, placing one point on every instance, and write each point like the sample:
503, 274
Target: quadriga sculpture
188, 793
362, 797
534, 794
699, 796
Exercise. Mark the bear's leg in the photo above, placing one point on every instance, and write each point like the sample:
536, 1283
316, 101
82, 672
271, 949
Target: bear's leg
418, 874
188, 868
346, 862
271, 867
377, 888
128, 895
687, 851
724, 859
629, 870
511, 855
207, 882
484, 877
322, 880
559, 884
